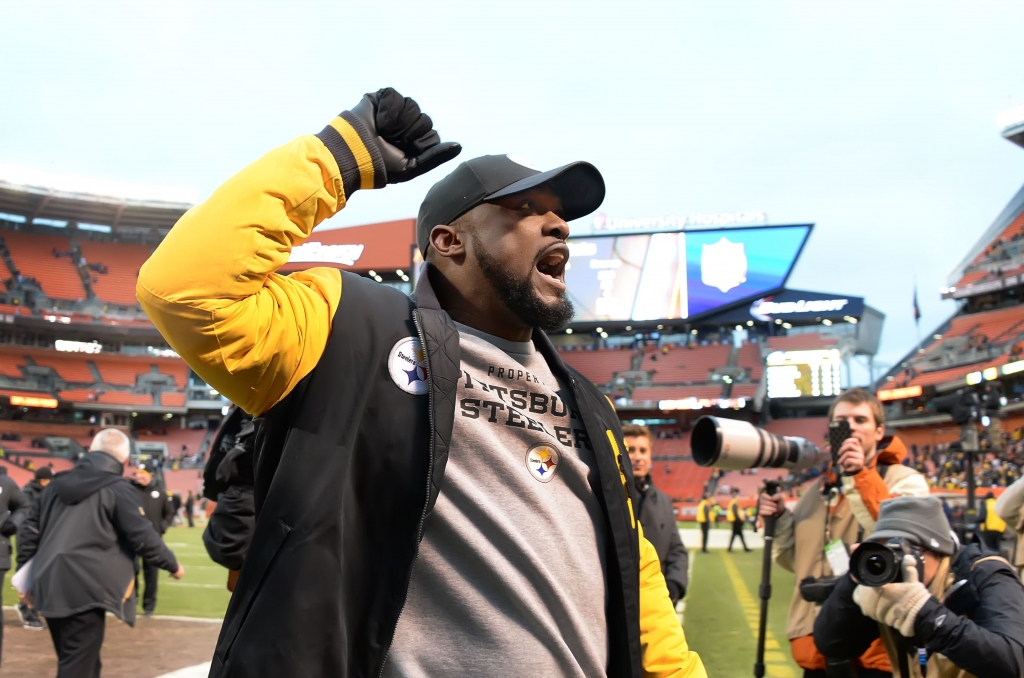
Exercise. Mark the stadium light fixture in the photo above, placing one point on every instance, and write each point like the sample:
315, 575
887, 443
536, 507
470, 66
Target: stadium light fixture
604, 335
372, 274
750, 323
1014, 367
778, 321
599, 330
739, 328
661, 327
850, 319
568, 330
787, 326
693, 332
629, 327
937, 336
399, 273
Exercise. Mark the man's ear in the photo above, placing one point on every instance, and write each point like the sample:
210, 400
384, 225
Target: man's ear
447, 242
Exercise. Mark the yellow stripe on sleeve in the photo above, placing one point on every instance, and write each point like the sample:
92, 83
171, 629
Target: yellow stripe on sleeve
358, 148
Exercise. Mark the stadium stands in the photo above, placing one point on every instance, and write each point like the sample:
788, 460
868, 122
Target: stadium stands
33, 254
749, 358
683, 481
123, 261
801, 342
646, 393
751, 482
680, 365
598, 366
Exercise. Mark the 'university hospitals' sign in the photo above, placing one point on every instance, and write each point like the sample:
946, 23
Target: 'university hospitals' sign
317, 253
603, 222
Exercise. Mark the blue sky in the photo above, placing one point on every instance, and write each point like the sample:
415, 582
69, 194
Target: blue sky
874, 120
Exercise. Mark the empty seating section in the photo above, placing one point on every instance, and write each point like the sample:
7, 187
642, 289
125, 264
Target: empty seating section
709, 391
743, 390
814, 429
682, 365
1012, 232
10, 309
801, 342
951, 374
70, 367
749, 358
680, 480
33, 255
598, 366
172, 399
9, 363
123, 262
17, 474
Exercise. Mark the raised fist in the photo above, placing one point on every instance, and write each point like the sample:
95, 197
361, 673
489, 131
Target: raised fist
404, 135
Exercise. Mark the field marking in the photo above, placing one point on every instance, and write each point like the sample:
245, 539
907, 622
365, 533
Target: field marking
197, 671
176, 617
776, 665
193, 584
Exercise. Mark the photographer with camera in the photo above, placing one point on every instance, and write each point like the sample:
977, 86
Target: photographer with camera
836, 510
938, 608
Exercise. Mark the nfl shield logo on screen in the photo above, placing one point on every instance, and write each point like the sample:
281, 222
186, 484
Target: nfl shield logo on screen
723, 264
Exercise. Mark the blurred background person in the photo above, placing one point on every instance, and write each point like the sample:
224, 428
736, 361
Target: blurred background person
737, 518
704, 518
32, 489
159, 509
991, 525
190, 509
656, 513
80, 540
13, 511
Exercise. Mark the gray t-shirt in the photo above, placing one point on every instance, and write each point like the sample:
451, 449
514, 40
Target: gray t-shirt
510, 576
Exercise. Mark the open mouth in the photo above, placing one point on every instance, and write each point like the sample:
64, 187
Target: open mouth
551, 265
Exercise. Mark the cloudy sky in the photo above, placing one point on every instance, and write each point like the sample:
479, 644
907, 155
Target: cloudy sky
876, 121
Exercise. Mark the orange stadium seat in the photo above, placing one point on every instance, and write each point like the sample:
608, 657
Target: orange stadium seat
85, 395
598, 366
750, 483
680, 480
801, 342
17, 473
123, 261
750, 359
33, 255
743, 390
682, 365
709, 391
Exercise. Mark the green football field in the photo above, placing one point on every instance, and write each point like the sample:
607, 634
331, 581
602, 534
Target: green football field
720, 616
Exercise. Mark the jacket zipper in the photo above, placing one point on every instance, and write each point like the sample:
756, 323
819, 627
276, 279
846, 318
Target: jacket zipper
426, 499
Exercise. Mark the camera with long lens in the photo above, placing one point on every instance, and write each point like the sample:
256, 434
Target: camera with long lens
877, 564
734, 445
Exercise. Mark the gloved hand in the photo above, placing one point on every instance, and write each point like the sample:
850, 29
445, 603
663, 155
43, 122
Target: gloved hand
895, 605
8, 528
405, 137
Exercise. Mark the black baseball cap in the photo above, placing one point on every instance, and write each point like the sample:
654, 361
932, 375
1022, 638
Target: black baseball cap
578, 184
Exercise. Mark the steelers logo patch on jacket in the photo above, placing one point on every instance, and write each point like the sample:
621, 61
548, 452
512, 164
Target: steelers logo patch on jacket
407, 365
542, 462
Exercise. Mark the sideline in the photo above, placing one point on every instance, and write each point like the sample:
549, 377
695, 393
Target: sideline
197, 671
158, 617
775, 662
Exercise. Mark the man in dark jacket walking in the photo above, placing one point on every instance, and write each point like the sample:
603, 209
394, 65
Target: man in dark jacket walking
656, 513
32, 489
80, 541
955, 608
13, 511
159, 509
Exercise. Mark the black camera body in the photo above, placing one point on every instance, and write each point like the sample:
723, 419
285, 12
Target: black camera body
877, 564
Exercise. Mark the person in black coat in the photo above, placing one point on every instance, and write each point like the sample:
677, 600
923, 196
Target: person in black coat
13, 511
656, 513
32, 489
228, 480
79, 541
957, 608
159, 509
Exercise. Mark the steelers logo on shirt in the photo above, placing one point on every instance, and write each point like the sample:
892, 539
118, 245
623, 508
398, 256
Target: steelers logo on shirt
542, 462
407, 365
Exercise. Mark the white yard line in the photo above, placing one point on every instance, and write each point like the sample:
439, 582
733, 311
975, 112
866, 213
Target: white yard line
197, 671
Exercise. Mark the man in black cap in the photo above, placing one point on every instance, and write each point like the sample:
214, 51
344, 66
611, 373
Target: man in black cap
442, 430
157, 506
953, 608
32, 489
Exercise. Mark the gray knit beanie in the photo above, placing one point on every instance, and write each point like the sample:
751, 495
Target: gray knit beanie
919, 519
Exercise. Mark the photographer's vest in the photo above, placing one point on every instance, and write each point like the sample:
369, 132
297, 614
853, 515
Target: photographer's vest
810, 535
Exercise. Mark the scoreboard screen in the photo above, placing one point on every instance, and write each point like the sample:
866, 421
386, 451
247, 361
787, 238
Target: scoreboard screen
657, 276
804, 374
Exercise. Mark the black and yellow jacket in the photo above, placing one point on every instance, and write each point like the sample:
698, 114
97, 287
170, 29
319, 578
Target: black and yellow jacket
348, 465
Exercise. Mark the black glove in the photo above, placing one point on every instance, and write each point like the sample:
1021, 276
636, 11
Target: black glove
8, 528
405, 136
675, 591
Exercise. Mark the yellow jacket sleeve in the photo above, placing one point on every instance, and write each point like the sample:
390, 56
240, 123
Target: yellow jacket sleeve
662, 640
212, 289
